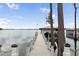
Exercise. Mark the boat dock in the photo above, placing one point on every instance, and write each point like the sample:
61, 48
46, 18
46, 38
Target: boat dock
40, 48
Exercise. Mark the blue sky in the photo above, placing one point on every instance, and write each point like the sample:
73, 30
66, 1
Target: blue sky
33, 15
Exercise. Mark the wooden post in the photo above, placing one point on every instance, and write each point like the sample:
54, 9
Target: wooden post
61, 36
75, 38
0, 47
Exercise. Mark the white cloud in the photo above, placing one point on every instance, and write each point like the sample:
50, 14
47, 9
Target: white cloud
53, 16
45, 10
69, 25
13, 6
4, 23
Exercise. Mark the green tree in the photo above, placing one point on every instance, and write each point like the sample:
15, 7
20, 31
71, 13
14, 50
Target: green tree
51, 23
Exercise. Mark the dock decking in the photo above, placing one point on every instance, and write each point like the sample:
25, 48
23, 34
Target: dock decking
40, 48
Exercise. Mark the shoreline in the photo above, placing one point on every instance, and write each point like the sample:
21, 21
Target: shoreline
20, 29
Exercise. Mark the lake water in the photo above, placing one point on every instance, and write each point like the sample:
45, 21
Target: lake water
19, 37
23, 39
16, 36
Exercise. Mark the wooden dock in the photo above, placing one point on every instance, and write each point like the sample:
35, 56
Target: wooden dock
40, 48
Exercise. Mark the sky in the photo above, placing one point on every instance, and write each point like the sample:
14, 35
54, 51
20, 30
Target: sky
33, 15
